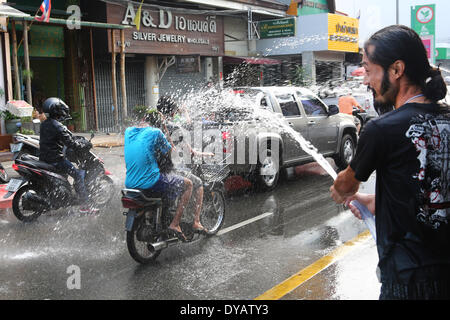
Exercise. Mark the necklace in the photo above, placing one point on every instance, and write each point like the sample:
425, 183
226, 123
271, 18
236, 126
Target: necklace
410, 99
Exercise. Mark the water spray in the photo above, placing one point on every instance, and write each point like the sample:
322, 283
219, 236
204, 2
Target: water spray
204, 101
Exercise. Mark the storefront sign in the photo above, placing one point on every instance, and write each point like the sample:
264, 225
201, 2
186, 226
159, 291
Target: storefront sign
277, 28
44, 41
167, 32
187, 64
443, 54
308, 7
343, 33
423, 22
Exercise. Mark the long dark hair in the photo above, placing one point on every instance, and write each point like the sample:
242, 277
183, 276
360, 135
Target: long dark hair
399, 42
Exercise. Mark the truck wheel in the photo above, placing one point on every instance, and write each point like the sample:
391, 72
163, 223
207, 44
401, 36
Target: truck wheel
346, 152
267, 172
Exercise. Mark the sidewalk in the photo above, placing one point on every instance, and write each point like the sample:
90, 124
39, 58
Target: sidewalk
100, 140
104, 140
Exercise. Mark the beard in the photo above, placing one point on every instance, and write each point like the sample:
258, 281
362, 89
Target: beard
384, 103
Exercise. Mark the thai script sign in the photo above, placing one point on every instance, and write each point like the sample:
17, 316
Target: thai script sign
277, 28
188, 64
166, 32
308, 7
343, 33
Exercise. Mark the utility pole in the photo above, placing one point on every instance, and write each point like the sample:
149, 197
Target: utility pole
397, 20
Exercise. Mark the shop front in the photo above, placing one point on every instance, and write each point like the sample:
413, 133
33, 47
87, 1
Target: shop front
176, 50
321, 43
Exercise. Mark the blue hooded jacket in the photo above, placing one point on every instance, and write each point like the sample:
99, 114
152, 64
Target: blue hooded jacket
142, 146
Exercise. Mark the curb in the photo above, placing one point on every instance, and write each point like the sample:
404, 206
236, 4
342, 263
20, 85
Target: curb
108, 144
6, 156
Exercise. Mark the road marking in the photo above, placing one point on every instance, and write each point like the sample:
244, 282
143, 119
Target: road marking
243, 223
307, 273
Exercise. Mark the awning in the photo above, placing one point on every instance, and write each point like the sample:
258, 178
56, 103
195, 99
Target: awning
249, 60
7, 11
82, 23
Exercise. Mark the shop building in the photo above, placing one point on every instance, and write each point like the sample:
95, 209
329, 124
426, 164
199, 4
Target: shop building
324, 43
107, 66
172, 49
55, 59
443, 58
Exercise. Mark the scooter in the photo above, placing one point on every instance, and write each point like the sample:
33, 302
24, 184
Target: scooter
3, 174
26, 144
149, 215
42, 188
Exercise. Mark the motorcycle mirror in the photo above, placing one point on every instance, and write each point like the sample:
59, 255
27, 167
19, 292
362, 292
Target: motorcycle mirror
92, 136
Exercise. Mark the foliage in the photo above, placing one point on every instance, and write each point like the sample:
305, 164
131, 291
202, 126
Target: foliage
140, 111
26, 73
75, 117
27, 131
300, 77
8, 115
26, 119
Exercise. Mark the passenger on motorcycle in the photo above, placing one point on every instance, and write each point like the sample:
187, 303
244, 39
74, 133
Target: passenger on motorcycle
145, 149
53, 137
168, 109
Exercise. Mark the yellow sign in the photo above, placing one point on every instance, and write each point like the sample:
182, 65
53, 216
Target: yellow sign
343, 33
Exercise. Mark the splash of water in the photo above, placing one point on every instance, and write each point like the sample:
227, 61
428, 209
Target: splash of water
213, 101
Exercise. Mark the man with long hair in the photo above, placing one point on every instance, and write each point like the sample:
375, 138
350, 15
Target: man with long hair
408, 147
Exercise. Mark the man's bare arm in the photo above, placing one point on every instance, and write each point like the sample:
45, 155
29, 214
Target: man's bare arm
345, 185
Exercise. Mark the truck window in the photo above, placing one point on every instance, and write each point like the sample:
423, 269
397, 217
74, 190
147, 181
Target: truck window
264, 101
313, 106
288, 105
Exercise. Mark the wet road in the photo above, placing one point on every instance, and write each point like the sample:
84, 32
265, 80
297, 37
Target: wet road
289, 229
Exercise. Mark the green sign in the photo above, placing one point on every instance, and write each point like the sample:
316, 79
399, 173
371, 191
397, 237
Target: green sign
313, 7
44, 41
277, 28
423, 21
443, 54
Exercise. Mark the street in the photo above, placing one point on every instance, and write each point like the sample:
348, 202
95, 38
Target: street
266, 238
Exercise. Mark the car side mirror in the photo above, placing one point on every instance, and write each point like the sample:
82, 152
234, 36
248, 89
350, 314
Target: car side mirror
333, 109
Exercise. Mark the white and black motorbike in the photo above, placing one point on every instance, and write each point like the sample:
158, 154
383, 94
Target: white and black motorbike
3, 175
41, 187
25, 144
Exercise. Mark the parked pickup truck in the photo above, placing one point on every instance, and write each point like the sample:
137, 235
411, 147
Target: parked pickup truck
332, 133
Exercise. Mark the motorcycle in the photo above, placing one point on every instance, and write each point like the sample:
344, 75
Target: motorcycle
26, 144
42, 188
3, 174
149, 215
23, 144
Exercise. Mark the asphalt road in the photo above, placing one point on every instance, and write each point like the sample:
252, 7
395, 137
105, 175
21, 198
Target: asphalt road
266, 238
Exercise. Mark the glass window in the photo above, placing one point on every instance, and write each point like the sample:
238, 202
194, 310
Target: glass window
264, 101
313, 106
288, 105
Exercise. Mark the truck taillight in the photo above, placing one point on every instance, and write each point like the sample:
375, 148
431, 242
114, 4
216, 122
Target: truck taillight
227, 141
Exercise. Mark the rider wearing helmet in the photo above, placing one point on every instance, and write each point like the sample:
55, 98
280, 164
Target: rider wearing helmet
53, 137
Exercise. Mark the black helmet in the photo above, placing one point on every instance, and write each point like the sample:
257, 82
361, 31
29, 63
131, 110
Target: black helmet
166, 105
56, 109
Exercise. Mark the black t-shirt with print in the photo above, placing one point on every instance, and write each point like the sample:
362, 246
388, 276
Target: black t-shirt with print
393, 145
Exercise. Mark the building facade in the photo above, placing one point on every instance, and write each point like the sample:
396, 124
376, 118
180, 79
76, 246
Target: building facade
323, 44
169, 49
124, 54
